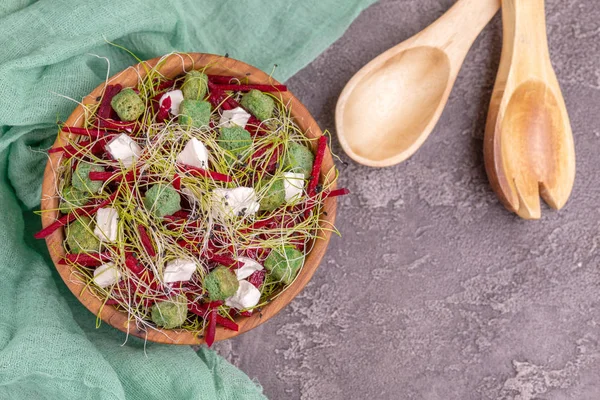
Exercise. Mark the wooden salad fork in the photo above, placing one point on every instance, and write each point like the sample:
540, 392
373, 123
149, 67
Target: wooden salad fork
528, 147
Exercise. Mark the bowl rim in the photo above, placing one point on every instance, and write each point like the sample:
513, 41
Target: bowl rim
170, 66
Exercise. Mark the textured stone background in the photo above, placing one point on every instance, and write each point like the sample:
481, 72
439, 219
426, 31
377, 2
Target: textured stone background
435, 291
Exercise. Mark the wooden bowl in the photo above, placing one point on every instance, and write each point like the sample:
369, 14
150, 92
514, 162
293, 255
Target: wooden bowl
171, 67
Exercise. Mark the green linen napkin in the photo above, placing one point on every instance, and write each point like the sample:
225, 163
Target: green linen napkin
49, 345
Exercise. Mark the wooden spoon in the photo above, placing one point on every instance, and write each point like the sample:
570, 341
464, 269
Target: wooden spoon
528, 145
387, 110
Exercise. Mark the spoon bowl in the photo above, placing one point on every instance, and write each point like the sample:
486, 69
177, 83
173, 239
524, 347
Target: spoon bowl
534, 109
389, 108
395, 124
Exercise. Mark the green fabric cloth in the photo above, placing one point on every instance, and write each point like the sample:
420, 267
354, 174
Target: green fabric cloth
49, 345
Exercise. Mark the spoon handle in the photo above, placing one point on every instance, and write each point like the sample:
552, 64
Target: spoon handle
457, 29
527, 32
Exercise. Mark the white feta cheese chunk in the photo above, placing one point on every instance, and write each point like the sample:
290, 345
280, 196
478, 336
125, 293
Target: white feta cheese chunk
176, 99
293, 184
237, 116
107, 220
179, 270
107, 275
248, 268
237, 202
246, 296
124, 149
194, 154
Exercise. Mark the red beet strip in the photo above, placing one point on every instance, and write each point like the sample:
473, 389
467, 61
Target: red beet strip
214, 304
336, 192
146, 242
165, 85
214, 102
93, 133
101, 176
106, 175
133, 264
149, 302
211, 327
258, 225
221, 79
105, 108
191, 246
257, 253
130, 176
177, 182
258, 153
178, 222
70, 149
262, 223
66, 219
254, 126
227, 323
197, 309
121, 125
98, 147
316, 171
128, 284
272, 163
245, 88
201, 309
147, 277
217, 176
254, 121
231, 103
88, 259
62, 221
217, 97
224, 260
181, 214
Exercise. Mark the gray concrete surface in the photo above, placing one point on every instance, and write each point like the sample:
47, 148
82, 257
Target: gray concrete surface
435, 291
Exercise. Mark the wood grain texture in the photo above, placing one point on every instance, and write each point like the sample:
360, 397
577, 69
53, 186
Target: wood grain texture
389, 108
528, 147
171, 67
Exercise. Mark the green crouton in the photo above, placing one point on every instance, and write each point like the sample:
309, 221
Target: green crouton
162, 199
80, 236
274, 196
81, 179
284, 266
72, 199
128, 105
220, 284
299, 159
235, 140
194, 113
170, 313
258, 104
195, 85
